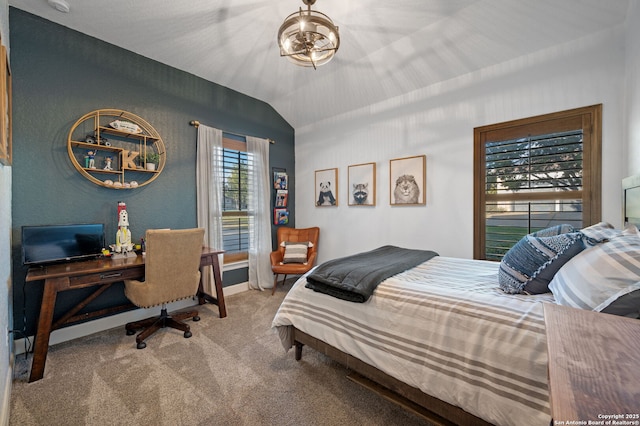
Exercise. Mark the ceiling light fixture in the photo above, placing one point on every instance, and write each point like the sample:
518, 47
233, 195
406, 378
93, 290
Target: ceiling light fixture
59, 5
308, 38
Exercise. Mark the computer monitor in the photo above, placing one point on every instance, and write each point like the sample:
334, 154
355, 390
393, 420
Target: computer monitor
56, 243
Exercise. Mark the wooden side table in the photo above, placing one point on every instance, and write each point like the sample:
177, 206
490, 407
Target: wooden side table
594, 367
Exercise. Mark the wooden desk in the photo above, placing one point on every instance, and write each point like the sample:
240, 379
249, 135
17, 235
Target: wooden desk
594, 366
99, 273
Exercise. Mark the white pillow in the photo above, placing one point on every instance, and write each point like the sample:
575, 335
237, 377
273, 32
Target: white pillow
598, 278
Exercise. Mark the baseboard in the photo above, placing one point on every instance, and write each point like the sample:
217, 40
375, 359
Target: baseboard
118, 320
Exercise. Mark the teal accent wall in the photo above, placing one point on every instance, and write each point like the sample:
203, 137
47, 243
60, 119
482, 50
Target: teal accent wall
58, 76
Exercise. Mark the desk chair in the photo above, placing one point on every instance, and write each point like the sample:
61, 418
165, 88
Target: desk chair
171, 273
290, 258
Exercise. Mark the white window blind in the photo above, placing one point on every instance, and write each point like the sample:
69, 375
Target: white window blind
235, 227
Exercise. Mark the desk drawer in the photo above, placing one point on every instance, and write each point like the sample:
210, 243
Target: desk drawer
107, 277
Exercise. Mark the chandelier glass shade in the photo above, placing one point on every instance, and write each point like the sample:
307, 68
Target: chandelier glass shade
308, 38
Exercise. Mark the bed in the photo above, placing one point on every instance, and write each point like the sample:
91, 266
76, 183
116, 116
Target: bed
441, 337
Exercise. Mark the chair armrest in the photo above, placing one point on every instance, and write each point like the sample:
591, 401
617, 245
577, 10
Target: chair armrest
276, 257
312, 259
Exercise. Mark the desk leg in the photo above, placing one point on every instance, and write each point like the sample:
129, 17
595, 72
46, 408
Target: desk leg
41, 344
203, 297
217, 277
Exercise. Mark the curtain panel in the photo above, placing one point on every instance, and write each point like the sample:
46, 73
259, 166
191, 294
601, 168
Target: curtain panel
258, 204
209, 192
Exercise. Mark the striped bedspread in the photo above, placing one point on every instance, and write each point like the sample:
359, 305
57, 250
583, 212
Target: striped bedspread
443, 327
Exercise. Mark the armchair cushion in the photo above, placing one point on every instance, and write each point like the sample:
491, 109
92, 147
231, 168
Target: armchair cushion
296, 252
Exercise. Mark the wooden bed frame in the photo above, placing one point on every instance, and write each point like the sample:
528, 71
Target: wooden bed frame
413, 399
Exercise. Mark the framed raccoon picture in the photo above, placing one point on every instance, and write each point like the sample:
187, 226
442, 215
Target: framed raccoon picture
362, 184
407, 181
326, 188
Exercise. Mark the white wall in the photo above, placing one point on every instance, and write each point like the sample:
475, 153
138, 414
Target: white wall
438, 121
632, 90
5, 257
5, 291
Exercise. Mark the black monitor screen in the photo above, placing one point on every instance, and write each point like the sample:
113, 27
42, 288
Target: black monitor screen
55, 243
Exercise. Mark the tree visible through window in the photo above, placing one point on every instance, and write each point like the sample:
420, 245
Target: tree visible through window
236, 165
535, 173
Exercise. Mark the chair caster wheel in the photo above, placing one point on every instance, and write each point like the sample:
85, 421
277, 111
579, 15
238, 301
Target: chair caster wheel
142, 345
196, 318
131, 332
187, 334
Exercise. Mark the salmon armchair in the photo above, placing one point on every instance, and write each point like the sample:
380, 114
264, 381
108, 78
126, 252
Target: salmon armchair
295, 263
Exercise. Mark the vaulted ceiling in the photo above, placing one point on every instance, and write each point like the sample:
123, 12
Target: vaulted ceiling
388, 47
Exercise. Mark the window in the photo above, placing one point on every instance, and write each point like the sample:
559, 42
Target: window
534, 173
236, 166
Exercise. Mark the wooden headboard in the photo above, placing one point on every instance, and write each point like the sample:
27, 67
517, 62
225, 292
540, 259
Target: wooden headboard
631, 200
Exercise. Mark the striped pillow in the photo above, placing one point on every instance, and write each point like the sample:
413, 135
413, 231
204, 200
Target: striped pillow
295, 252
598, 233
604, 278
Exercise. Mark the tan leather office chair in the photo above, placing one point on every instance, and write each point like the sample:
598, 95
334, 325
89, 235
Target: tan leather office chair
171, 273
293, 235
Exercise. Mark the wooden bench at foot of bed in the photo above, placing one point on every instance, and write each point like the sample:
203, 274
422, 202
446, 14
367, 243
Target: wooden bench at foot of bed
432, 409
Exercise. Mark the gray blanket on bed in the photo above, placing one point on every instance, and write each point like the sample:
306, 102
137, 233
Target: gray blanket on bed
354, 278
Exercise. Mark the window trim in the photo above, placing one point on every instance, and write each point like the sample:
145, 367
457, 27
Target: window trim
590, 118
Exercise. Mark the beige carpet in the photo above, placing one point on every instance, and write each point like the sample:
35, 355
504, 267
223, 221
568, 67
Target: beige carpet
233, 371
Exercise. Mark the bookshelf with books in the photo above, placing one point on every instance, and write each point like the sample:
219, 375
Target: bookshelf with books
281, 197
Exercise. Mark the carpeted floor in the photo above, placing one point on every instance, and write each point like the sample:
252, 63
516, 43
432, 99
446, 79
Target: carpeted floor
233, 371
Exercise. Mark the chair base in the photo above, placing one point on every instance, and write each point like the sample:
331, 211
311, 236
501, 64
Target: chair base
151, 325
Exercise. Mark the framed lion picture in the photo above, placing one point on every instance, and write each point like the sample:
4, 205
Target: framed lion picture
407, 181
326, 188
362, 184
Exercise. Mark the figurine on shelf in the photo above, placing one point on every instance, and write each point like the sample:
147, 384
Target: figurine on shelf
92, 159
107, 163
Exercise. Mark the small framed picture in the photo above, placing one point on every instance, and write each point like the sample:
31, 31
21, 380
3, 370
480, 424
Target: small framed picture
408, 180
362, 184
326, 188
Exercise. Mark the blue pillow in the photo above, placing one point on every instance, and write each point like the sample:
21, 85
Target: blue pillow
554, 230
532, 262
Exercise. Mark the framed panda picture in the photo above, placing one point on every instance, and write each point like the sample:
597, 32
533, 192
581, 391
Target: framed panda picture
326, 194
362, 184
407, 181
